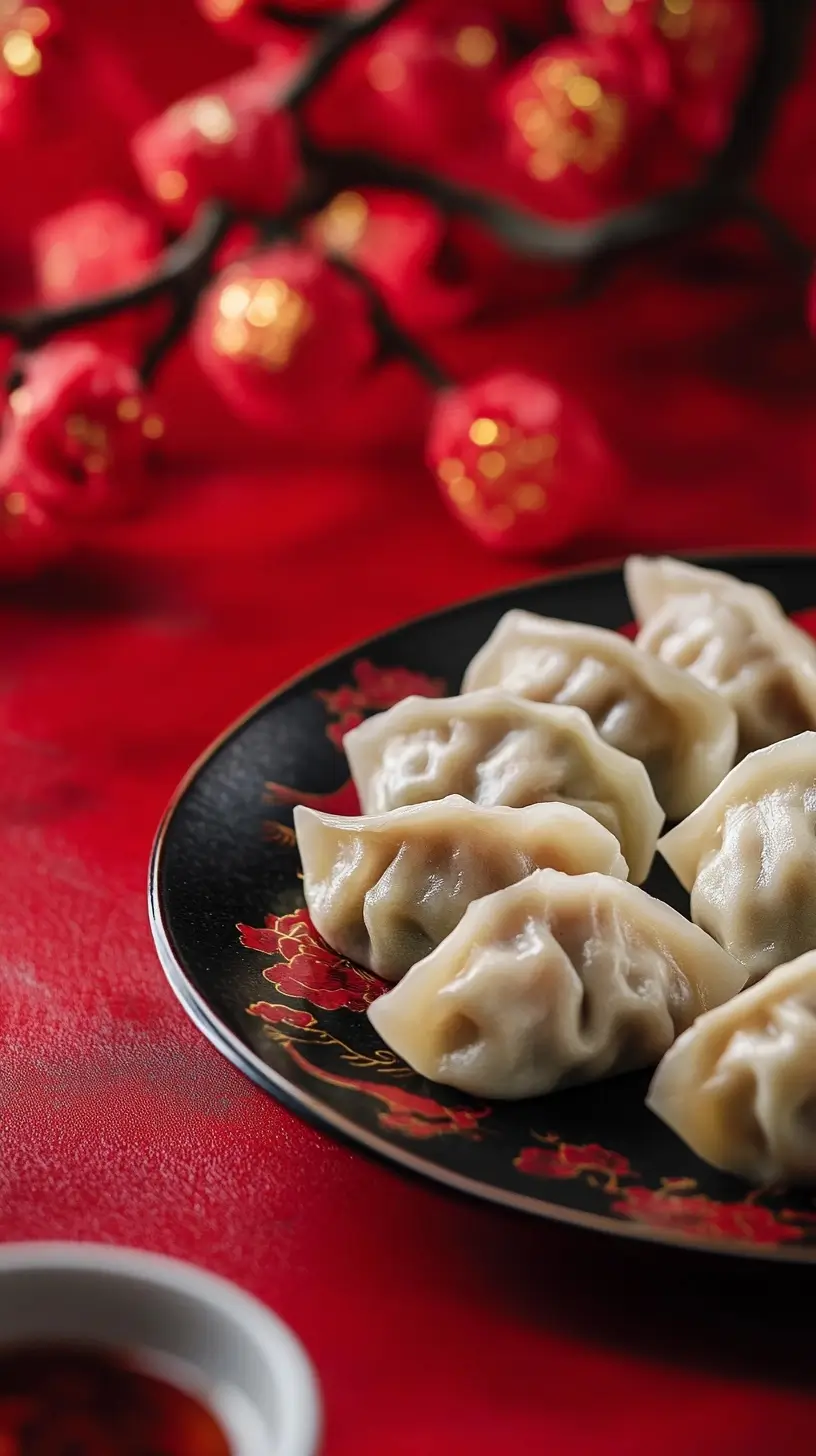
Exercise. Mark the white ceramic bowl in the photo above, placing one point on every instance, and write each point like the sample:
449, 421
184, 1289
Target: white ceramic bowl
201, 1332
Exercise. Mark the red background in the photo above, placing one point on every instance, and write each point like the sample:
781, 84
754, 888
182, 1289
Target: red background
436, 1326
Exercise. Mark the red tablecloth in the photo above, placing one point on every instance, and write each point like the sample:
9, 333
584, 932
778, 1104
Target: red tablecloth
438, 1327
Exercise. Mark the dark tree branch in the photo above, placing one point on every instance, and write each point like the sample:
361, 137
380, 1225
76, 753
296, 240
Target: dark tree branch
188, 258
522, 231
394, 341
779, 236
331, 45
723, 191
279, 15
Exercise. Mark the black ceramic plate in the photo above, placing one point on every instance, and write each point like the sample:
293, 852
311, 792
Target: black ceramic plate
227, 913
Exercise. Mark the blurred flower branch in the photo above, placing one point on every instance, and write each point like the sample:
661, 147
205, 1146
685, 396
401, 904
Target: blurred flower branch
648, 119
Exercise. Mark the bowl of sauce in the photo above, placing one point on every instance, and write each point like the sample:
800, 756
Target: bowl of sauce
113, 1352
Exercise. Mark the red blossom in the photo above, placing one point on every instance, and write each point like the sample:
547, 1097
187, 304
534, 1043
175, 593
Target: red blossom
310, 971
704, 1218
97, 245
282, 335
576, 115
230, 141
520, 462
568, 1160
82, 430
421, 80
281, 1015
31, 76
694, 59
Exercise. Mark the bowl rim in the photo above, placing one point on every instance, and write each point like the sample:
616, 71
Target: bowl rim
289, 1365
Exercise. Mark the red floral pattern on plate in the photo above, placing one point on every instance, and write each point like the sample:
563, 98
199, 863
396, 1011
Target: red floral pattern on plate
570, 1160
408, 1113
703, 1217
374, 688
309, 970
405, 1112
674, 1205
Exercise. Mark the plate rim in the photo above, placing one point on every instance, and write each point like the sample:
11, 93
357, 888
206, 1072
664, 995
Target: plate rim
326, 1118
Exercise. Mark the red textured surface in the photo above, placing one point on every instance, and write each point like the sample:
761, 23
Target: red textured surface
438, 1328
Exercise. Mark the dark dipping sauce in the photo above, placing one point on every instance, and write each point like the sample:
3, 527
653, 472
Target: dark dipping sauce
63, 1400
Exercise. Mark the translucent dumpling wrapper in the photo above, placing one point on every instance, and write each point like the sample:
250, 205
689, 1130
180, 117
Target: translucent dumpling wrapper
559, 979
384, 889
684, 734
495, 748
748, 856
740, 1085
733, 637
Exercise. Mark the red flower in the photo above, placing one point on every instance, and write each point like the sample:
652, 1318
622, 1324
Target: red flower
310, 970
422, 81
283, 332
568, 1160
576, 115
520, 462
82, 428
704, 1218
401, 243
26, 34
275, 1014
97, 245
703, 47
94, 246
229, 142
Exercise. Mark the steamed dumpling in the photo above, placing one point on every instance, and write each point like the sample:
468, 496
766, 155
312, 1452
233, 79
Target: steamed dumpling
733, 637
684, 734
740, 1086
495, 748
748, 857
557, 980
384, 890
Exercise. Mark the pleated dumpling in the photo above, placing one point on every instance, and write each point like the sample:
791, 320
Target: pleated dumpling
384, 889
748, 857
557, 980
495, 748
684, 734
740, 1086
731, 636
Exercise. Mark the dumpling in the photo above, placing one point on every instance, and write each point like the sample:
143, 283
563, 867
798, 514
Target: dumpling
733, 637
557, 980
385, 889
748, 856
684, 734
740, 1086
495, 748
